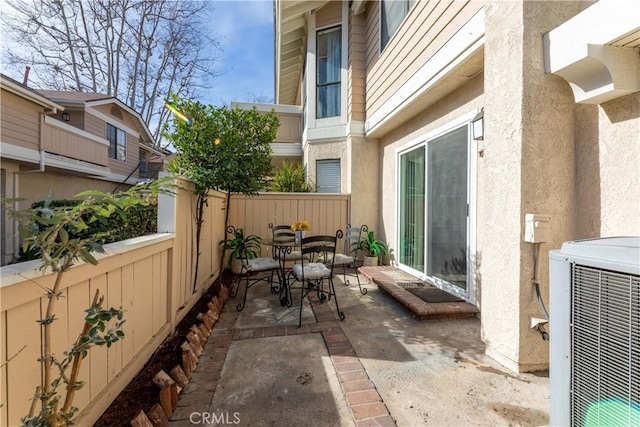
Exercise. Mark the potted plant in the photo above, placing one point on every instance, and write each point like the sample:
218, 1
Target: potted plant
372, 249
242, 248
300, 228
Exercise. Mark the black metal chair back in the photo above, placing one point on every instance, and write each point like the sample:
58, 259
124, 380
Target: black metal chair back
352, 238
320, 248
312, 274
282, 233
253, 267
349, 258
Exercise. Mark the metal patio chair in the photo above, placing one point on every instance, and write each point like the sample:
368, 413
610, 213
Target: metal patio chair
312, 274
283, 234
252, 273
348, 259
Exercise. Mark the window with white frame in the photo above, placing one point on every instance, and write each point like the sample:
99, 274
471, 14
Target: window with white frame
329, 69
117, 143
392, 14
328, 176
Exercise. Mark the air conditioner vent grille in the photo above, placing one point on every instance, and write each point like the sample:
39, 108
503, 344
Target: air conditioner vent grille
605, 346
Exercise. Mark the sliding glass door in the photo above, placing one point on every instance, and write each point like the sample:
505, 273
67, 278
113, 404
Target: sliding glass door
412, 194
433, 210
447, 209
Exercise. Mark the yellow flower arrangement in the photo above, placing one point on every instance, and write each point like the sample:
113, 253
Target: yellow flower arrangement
300, 226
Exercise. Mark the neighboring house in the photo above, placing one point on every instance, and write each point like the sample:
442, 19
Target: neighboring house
65, 143
388, 91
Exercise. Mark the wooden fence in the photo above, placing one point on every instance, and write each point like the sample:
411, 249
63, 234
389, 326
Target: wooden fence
150, 277
326, 213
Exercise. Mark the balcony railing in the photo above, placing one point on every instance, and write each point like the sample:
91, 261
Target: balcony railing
65, 140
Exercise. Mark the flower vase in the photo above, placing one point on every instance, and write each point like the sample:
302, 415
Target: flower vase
299, 237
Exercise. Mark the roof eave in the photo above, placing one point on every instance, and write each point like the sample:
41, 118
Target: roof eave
290, 38
30, 94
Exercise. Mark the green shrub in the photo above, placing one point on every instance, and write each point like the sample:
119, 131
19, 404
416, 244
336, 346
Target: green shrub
291, 179
141, 220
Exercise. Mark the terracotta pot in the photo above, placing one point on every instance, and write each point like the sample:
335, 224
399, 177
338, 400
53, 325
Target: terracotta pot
370, 261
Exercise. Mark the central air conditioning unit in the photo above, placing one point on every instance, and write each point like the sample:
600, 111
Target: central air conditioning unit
594, 318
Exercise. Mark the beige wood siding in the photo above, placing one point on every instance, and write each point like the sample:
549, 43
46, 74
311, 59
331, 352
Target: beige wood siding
331, 14
66, 143
94, 125
290, 129
19, 121
372, 34
76, 117
98, 127
133, 154
107, 109
424, 31
278, 162
356, 68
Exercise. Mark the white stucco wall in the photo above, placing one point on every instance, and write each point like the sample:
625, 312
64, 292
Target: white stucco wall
619, 130
608, 168
326, 151
359, 173
363, 181
529, 168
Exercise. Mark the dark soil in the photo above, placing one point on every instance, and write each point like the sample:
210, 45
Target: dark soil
142, 393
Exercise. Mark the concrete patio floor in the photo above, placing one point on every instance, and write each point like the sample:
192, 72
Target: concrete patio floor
379, 366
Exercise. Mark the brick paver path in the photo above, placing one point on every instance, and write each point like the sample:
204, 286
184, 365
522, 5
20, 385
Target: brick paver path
359, 391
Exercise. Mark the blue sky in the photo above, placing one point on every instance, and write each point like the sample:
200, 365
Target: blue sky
245, 30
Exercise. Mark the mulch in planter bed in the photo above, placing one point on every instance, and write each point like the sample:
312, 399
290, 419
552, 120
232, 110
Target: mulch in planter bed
142, 393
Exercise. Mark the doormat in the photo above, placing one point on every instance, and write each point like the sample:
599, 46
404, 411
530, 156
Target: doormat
428, 293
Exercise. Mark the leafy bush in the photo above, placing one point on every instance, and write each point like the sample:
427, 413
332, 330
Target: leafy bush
141, 220
291, 179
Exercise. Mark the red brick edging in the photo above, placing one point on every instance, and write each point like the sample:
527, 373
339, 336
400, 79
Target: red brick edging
363, 399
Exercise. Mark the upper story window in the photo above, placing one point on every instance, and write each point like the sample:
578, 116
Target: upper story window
393, 13
117, 143
329, 70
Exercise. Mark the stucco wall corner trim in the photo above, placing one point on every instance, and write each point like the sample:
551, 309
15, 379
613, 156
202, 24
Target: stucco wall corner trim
462, 45
356, 128
327, 134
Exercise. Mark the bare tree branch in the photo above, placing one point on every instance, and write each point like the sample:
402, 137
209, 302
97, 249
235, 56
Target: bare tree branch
135, 50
